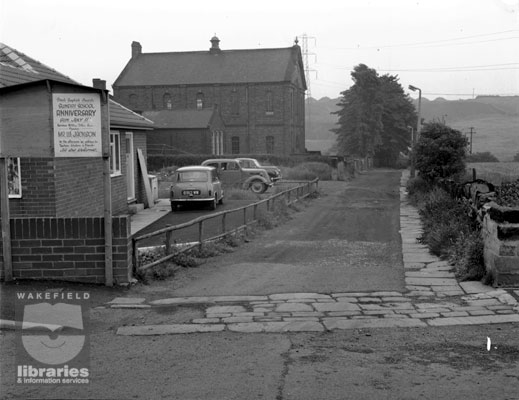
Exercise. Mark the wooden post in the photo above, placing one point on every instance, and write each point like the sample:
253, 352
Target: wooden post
135, 256
6, 218
167, 244
109, 273
200, 234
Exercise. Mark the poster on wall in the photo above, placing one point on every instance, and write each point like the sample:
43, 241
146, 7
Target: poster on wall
77, 125
14, 182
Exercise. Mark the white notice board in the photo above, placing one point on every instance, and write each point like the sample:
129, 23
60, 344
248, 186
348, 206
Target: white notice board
77, 124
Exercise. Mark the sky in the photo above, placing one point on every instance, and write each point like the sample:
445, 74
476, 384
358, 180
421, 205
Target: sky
447, 48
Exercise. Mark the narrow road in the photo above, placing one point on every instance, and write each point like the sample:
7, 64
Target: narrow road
346, 240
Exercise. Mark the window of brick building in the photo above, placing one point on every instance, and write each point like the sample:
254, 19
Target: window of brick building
270, 144
115, 153
269, 107
199, 101
14, 181
166, 101
235, 145
235, 105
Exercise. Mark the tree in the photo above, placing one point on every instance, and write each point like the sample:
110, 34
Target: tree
360, 114
440, 151
374, 117
398, 116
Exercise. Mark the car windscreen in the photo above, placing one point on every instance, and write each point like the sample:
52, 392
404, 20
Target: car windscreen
192, 176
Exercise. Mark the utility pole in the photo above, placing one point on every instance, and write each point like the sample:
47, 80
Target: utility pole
306, 53
472, 132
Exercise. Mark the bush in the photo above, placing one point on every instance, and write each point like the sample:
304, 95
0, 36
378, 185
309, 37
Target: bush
440, 152
449, 232
481, 157
508, 194
467, 256
308, 171
156, 162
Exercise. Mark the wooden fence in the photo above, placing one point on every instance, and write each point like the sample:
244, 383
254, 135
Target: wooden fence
289, 196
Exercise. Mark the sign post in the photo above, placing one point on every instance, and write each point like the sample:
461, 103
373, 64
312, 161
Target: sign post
5, 216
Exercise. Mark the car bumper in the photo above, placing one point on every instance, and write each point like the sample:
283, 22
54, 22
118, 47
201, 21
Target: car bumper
189, 199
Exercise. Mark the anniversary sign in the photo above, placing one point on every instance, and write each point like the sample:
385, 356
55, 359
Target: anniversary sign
77, 125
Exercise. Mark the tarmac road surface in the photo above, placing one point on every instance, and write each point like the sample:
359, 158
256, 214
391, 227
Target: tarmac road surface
346, 240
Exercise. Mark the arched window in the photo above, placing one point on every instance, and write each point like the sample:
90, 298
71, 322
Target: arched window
269, 106
199, 101
235, 145
269, 144
166, 101
235, 105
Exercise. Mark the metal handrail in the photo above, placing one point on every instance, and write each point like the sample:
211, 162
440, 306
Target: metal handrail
200, 220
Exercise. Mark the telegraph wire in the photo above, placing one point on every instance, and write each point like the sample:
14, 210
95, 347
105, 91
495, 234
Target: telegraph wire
444, 42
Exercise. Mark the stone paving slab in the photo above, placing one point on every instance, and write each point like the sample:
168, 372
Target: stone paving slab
127, 300
332, 324
168, 329
131, 306
289, 296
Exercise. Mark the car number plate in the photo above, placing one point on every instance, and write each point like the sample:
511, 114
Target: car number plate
190, 192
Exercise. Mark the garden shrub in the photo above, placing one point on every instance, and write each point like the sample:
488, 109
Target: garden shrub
308, 171
440, 152
451, 234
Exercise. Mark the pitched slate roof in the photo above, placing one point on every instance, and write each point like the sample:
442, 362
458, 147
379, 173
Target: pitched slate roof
204, 67
180, 119
122, 117
17, 68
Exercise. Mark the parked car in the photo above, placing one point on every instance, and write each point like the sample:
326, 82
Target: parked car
196, 184
274, 172
231, 173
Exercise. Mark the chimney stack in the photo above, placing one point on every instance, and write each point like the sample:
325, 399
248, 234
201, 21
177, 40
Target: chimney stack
136, 49
99, 83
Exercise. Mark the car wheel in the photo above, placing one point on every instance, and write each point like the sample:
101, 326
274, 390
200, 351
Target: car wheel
220, 201
173, 207
258, 187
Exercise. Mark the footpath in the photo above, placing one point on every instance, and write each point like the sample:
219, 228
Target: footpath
433, 297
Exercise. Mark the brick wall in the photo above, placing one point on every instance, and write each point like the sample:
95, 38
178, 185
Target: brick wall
68, 249
38, 189
287, 117
79, 187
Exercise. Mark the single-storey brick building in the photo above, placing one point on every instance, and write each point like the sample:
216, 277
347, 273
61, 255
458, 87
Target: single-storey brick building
186, 131
66, 151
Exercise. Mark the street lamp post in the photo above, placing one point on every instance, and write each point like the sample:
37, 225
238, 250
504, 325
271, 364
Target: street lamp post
418, 127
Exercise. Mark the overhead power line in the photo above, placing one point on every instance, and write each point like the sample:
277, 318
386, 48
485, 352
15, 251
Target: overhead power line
444, 42
486, 67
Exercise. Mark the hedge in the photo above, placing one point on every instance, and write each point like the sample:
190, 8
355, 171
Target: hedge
157, 162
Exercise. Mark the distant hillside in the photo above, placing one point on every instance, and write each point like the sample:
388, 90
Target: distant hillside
495, 120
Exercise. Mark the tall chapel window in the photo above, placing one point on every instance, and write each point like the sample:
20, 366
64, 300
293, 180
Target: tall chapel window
199, 101
166, 101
